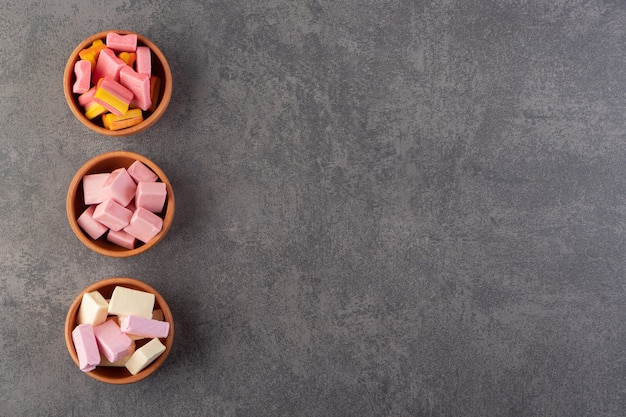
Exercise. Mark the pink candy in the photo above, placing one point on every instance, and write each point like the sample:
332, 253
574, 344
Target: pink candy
92, 227
112, 215
121, 238
113, 344
144, 225
82, 70
108, 65
143, 63
119, 186
122, 43
92, 188
141, 173
86, 347
139, 326
151, 196
139, 84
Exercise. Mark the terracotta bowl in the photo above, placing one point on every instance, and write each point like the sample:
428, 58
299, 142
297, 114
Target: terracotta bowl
160, 68
119, 375
75, 204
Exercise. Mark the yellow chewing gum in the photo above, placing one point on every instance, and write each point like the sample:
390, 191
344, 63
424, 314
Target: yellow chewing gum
93, 110
128, 119
128, 57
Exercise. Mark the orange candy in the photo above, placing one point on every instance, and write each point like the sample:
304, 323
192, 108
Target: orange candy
91, 54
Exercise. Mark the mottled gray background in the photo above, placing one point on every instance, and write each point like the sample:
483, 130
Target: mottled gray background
384, 208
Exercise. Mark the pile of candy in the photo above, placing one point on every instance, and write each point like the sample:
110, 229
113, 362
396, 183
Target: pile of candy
106, 331
123, 203
114, 80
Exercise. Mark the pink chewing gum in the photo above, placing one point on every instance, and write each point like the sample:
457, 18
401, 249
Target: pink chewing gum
92, 227
108, 65
151, 196
86, 97
120, 186
143, 60
92, 188
141, 173
139, 84
82, 71
140, 326
144, 225
112, 342
122, 239
113, 96
86, 347
112, 215
122, 43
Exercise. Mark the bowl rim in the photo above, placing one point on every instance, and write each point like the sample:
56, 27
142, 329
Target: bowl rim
72, 214
75, 108
133, 283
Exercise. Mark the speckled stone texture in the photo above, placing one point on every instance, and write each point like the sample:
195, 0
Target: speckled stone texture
384, 208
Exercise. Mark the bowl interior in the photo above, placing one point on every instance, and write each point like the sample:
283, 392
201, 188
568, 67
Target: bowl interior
76, 204
119, 375
160, 68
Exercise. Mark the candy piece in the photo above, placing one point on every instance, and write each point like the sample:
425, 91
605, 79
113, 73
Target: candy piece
89, 225
128, 302
112, 342
121, 362
86, 97
84, 340
112, 215
139, 84
120, 186
108, 65
139, 326
82, 71
122, 239
131, 118
143, 63
92, 188
93, 110
144, 225
91, 54
145, 355
128, 57
117, 42
155, 92
113, 95
151, 196
141, 173
93, 309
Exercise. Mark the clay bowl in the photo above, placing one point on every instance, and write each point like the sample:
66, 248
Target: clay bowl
75, 205
119, 375
160, 68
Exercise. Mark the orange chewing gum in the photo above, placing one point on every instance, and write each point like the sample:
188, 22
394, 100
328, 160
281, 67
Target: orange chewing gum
128, 119
91, 54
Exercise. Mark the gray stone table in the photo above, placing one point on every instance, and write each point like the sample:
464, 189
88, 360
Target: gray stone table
384, 208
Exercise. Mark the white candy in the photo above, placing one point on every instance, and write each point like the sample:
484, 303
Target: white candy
145, 355
129, 302
93, 309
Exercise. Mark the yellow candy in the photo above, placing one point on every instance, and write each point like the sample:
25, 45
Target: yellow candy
93, 110
113, 95
128, 119
128, 58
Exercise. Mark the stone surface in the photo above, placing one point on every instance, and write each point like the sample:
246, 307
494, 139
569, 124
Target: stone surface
384, 208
